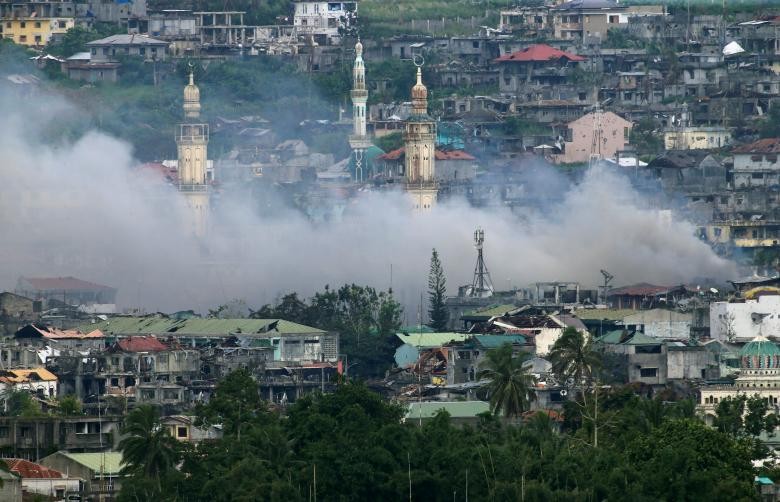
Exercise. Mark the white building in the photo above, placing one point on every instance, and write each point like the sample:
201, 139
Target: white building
38, 381
743, 321
322, 20
660, 323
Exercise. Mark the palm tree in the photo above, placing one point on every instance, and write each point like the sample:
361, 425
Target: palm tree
510, 386
147, 449
572, 357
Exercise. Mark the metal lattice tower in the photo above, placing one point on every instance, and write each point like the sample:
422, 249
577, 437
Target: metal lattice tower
595, 147
482, 286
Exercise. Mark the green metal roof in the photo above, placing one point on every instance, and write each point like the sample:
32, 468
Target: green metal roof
488, 312
608, 314
456, 409
197, 327
611, 337
431, 339
494, 341
109, 462
642, 339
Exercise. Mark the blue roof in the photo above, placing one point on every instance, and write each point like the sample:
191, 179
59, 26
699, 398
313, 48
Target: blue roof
494, 341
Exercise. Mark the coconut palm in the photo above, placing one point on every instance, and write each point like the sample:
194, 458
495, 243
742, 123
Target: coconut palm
147, 449
510, 385
573, 358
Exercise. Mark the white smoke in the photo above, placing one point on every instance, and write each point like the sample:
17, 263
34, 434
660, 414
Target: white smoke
84, 209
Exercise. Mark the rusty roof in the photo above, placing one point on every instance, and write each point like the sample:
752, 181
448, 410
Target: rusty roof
141, 344
538, 52
27, 375
641, 289
27, 470
766, 145
440, 155
53, 333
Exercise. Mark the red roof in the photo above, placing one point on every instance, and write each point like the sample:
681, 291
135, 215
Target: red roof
168, 174
539, 52
440, 155
141, 344
60, 283
767, 145
27, 469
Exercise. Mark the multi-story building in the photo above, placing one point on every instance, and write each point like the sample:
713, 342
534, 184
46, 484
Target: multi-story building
538, 64
35, 24
323, 20
599, 135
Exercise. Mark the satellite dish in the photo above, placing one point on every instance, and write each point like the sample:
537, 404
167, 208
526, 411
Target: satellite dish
713, 291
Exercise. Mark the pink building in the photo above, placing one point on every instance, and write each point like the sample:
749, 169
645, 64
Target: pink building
593, 135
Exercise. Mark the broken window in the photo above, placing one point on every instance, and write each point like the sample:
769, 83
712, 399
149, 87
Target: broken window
181, 432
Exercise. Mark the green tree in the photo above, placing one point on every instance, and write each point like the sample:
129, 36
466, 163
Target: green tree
573, 358
390, 142
69, 406
234, 402
148, 451
19, 403
510, 385
437, 294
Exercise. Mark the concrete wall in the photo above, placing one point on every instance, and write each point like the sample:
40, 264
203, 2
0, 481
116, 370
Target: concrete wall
745, 321
614, 137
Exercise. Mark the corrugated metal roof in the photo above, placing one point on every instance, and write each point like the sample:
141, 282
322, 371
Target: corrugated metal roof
26, 375
493, 341
439, 155
31, 470
119, 326
127, 40
141, 344
456, 409
109, 462
608, 314
766, 145
488, 312
538, 52
431, 339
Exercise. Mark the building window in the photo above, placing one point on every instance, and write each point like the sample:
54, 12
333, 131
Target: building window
37, 24
38, 38
61, 24
181, 432
22, 38
648, 372
22, 25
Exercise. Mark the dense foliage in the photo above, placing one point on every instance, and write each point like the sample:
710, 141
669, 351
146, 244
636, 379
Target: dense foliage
366, 320
352, 445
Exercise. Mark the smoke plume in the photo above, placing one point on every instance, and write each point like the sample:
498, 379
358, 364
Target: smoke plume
83, 208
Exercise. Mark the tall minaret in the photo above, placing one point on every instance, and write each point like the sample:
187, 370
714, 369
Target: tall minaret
359, 141
420, 149
191, 142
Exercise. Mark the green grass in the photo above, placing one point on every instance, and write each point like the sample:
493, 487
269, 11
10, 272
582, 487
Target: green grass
381, 18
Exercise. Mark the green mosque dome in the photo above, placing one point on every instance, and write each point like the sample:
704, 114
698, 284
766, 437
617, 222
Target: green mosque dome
760, 353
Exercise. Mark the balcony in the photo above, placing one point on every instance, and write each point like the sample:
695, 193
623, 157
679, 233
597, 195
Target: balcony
757, 242
87, 441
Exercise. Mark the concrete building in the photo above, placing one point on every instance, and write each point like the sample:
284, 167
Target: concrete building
41, 337
183, 428
17, 310
660, 323
420, 150
537, 64
11, 489
685, 136
323, 20
79, 66
744, 321
591, 20
101, 472
192, 145
67, 291
599, 135
35, 31
39, 382
40, 480
110, 48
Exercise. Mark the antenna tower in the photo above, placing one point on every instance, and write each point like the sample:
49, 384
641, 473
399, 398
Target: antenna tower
595, 147
607, 281
482, 286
